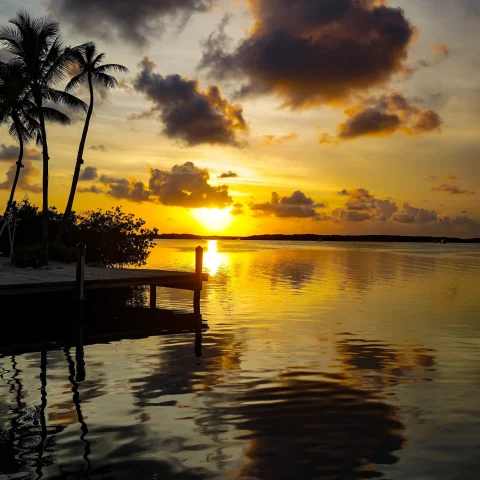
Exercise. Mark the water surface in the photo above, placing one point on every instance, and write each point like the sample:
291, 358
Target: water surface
328, 361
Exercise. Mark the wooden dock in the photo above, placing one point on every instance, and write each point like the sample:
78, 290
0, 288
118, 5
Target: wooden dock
15, 281
80, 277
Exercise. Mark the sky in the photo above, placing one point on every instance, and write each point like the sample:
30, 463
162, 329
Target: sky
245, 117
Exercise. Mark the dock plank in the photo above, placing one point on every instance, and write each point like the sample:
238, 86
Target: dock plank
17, 280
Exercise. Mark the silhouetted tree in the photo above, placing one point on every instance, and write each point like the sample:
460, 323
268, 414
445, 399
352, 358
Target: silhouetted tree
15, 106
38, 45
91, 70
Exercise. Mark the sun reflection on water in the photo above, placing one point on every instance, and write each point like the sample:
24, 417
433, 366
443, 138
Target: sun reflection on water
212, 259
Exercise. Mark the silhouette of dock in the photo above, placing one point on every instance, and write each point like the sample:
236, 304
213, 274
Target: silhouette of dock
15, 281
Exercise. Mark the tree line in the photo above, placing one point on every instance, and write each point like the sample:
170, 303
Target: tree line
30, 97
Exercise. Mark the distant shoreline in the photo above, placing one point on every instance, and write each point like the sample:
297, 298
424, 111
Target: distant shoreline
320, 238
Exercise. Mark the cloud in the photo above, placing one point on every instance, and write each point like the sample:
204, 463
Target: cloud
351, 216
24, 179
237, 209
297, 205
189, 114
228, 174
187, 186
310, 52
361, 205
270, 140
99, 148
10, 153
130, 189
133, 21
440, 49
88, 174
391, 113
410, 214
450, 176
327, 139
183, 186
91, 189
5, 56
452, 189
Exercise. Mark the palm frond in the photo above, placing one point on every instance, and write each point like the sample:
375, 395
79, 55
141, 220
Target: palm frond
90, 50
105, 80
65, 98
98, 59
53, 115
108, 67
75, 81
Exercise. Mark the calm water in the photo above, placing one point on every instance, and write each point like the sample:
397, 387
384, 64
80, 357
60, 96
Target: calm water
329, 361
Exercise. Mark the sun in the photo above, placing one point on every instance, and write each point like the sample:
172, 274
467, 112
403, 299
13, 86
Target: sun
212, 219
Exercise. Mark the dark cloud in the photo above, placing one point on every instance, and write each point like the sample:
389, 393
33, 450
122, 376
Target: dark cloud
134, 21
297, 205
130, 189
237, 209
10, 153
351, 216
391, 113
451, 189
91, 189
228, 174
183, 186
99, 148
88, 174
24, 179
187, 186
361, 205
369, 122
188, 113
270, 140
410, 214
310, 52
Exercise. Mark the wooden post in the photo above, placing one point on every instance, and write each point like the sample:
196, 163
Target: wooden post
153, 297
198, 281
80, 282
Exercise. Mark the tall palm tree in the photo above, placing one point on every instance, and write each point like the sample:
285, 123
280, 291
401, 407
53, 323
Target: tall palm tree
15, 109
90, 70
38, 45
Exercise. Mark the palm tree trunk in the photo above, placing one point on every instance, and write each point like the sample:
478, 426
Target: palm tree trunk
16, 121
78, 165
46, 158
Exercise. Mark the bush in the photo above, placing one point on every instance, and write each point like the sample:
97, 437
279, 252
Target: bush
113, 238
27, 256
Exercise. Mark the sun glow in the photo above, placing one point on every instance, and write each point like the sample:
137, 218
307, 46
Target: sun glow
212, 219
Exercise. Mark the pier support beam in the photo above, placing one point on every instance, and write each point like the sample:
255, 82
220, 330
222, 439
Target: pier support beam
80, 278
198, 282
153, 297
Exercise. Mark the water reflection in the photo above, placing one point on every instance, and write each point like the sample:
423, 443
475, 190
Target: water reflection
298, 426
318, 363
212, 259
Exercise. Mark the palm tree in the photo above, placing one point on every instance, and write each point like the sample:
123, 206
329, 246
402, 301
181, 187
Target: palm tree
15, 107
90, 69
38, 45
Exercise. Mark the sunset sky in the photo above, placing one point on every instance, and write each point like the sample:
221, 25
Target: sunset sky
273, 116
